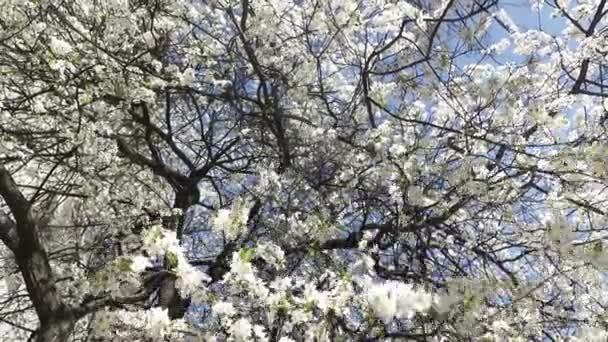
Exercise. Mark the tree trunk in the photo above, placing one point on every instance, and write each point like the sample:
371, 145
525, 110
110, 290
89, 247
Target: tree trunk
23, 238
168, 296
55, 331
170, 299
56, 321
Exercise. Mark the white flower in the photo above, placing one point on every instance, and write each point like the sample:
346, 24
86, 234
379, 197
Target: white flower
286, 339
158, 241
323, 302
222, 219
591, 334
409, 10
140, 263
233, 221
300, 316
187, 77
144, 94
530, 42
157, 65
379, 299
258, 288
559, 230
500, 325
39, 27
281, 284
158, 321
363, 265
240, 330
223, 309
320, 299
241, 269
148, 38
416, 196
393, 299
499, 47
189, 279
60, 47
420, 301
260, 333
271, 253
443, 304
38, 106
397, 149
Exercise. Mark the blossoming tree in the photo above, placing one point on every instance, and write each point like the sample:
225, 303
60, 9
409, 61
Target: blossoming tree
303, 170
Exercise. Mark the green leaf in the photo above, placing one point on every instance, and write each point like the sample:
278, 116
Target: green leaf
171, 260
598, 247
309, 306
124, 264
246, 254
315, 248
347, 277
99, 278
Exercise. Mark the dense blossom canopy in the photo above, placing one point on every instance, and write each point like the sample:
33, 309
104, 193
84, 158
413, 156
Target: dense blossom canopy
303, 170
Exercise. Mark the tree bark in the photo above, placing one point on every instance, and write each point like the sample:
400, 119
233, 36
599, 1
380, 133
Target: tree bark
22, 237
170, 299
168, 295
55, 331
